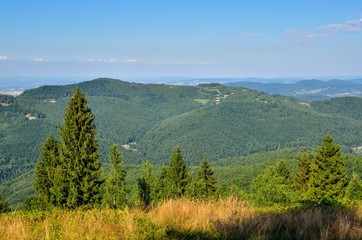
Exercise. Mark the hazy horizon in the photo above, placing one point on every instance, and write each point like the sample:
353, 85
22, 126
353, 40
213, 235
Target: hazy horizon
188, 39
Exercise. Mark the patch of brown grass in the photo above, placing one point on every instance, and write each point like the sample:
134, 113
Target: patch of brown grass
232, 219
185, 219
201, 216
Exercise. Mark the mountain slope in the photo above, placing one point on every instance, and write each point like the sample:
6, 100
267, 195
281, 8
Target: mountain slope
150, 120
306, 89
241, 126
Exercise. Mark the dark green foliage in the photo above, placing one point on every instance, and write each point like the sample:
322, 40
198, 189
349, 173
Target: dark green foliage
271, 188
4, 207
147, 185
144, 192
283, 171
178, 175
162, 191
46, 171
208, 186
80, 172
344, 106
327, 176
114, 195
155, 118
302, 177
354, 189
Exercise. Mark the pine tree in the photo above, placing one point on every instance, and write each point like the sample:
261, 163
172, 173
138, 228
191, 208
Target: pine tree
147, 185
45, 171
177, 175
144, 192
4, 207
302, 177
354, 188
207, 180
162, 191
327, 176
114, 190
270, 187
80, 171
283, 171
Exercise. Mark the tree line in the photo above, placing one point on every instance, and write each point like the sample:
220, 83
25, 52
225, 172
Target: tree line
68, 174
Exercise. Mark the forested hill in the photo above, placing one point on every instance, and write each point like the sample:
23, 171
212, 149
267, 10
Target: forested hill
307, 89
149, 120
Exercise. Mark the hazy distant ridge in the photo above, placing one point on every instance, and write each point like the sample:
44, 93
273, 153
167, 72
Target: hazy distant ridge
307, 89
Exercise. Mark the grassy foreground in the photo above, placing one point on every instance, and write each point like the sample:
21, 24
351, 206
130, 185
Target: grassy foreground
185, 219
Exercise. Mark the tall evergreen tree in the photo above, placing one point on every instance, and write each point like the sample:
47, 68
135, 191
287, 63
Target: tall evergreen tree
144, 192
45, 171
327, 176
207, 180
302, 177
4, 207
354, 188
147, 184
114, 193
79, 155
177, 175
162, 191
283, 171
270, 187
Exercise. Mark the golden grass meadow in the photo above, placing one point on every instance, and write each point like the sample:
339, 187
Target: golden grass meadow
185, 219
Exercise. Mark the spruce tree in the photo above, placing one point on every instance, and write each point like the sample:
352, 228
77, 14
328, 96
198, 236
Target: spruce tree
144, 192
45, 171
177, 175
147, 184
302, 177
327, 176
283, 171
354, 189
270, 187
80, 171
162, 191
4, 207
207, 180
114, 193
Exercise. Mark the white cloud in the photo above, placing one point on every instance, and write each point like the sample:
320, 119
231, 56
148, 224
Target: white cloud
326, 31
110, 60
3, 58
40, 60
131, 60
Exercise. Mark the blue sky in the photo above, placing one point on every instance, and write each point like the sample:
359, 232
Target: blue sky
185, 38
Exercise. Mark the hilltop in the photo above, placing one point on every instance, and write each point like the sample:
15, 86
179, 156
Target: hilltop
306, 89
149, 120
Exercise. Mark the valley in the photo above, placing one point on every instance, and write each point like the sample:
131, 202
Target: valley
148, 120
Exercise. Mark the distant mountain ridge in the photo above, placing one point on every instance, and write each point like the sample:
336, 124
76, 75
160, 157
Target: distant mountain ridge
307, 89
148, 120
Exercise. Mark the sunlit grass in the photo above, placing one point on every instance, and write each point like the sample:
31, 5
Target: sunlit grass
185, 219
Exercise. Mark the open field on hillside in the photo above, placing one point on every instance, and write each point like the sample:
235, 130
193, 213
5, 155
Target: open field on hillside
185, 219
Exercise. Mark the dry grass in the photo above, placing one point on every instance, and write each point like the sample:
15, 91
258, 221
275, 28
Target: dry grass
232, 219
91, 224
185, 219
200, 216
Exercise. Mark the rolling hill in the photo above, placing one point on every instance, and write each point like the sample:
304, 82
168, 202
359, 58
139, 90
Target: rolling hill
149, 120
307, 89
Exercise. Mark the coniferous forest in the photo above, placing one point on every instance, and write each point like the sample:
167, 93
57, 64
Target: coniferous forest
86, 184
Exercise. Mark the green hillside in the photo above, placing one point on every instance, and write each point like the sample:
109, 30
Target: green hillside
232, 173
149, 120
248, 123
